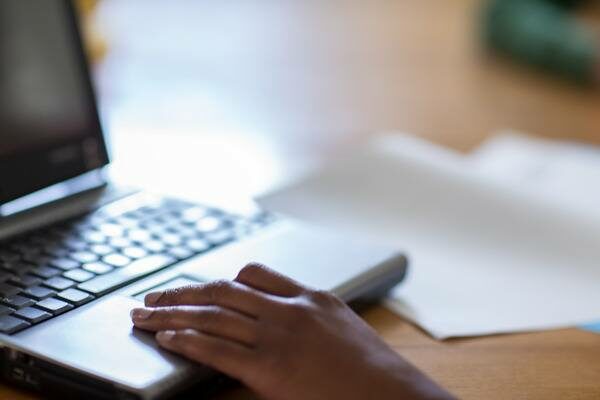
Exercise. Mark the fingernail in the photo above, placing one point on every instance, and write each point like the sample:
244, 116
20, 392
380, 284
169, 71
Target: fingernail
152, 298
140, 314
165, 336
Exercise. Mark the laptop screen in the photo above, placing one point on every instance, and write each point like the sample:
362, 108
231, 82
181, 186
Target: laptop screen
49, 128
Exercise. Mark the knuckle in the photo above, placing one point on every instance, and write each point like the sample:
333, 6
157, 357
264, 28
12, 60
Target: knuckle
171, 296
323, 298
186, 341
210, 317
250, 270
300, 312
201, 349
159, 316
164, 316
165, 297
218, 289
184, 338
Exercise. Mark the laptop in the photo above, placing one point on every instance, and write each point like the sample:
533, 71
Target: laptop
77, 253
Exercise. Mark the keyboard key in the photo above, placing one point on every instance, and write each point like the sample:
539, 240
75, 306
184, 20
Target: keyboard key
9, 256
32, 315
5, 310
150, 210
76, 244
24, 246
93, 236
56, 251
111, 230
120, 242
84, 257
180, 253
156, 229
208, 224
127, 222
60, 231
101, 249
54, 306
197, 245
58, 283
134, 252
27, 248
154, 246
176, 204
75, 296
134, 215
64, 263
45, 272
82, 225
191, 215
40, 239
184, 232
171, 239
24, 280
23, 269
119, 277
78, 275
18, 301
10, 324
116, 260
8, 290
38, 292
16, 267
97, 268
139, 235
5, 276
37, 259
220, 237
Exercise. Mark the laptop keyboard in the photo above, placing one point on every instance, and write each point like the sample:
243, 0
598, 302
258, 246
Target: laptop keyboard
58, 268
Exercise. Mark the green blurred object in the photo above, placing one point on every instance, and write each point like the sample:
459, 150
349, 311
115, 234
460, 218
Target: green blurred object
543, 34
567, 3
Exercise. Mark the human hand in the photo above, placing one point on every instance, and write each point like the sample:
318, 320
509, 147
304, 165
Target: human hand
281, 339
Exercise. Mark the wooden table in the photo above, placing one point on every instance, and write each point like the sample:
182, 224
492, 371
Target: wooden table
310, 77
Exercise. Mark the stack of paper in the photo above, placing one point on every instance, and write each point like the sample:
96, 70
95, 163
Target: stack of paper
487, 255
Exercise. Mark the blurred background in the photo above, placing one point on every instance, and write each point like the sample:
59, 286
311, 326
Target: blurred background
225, 100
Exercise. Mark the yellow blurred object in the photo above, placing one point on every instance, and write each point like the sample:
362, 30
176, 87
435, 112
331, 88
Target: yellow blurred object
86, 6
96, 46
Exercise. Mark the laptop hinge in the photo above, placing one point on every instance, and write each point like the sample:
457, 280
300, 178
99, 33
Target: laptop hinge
72, 205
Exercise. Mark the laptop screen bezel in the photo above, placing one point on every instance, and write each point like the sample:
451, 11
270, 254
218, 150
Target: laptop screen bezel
35, 160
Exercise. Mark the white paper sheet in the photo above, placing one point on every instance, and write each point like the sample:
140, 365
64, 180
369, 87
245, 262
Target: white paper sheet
563, 172
486, 257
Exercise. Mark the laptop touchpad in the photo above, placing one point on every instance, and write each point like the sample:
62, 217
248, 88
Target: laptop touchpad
169, 284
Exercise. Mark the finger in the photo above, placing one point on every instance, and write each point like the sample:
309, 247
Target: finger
228, 294
226, 356
214, 320
267, 280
